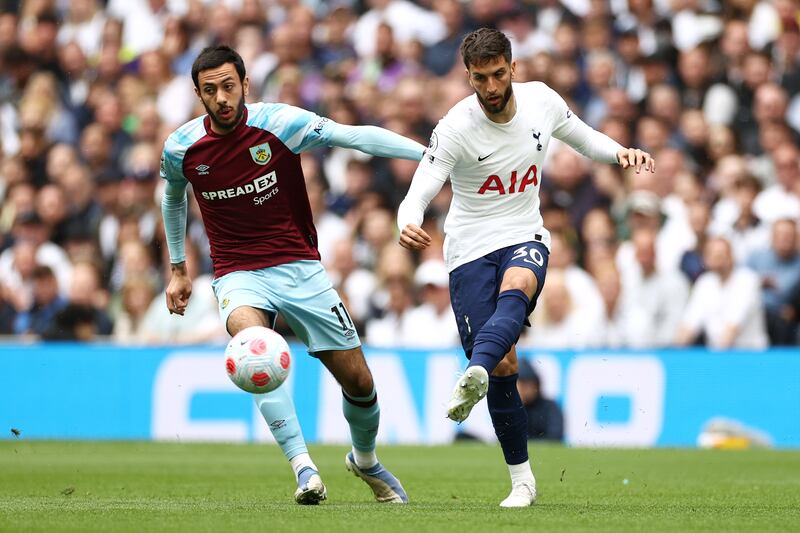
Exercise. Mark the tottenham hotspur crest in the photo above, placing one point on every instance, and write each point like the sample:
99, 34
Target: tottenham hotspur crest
261, 153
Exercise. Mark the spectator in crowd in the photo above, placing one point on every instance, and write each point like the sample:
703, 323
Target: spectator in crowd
747, 232
545, 419
562, 321
692, 263
609, 284
200, 323
779, 269
8, 312
431, 324
725, 304
781, 200
75, 322
354, 283
31, 247
654, 301
137, 294
581, 286
393, 300
46, 304
88, 294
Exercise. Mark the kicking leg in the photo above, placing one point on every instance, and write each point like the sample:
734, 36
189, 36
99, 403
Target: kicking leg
278, 411
361, 410
494, 340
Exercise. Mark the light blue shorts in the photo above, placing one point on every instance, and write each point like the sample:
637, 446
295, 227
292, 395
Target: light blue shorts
302, 293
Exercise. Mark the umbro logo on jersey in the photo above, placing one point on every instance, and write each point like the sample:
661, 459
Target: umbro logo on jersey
484, 157
202, 170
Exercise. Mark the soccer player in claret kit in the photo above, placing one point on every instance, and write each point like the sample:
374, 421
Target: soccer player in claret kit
243, 163
492, 146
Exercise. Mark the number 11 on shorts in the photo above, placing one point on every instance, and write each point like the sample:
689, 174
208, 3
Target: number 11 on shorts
342, 315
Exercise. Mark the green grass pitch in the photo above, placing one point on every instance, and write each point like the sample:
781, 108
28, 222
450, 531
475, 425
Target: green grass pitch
140, 487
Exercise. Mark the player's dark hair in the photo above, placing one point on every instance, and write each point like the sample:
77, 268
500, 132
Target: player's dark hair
484, 45
216, 56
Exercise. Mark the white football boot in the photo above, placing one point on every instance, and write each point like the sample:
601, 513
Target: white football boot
469, 390
310, 489
384, 485
523, 494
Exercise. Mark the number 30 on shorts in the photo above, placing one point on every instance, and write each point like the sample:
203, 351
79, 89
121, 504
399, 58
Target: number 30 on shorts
528, 255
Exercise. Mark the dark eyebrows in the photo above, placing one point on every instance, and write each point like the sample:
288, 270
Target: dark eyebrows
212, 84
499, 72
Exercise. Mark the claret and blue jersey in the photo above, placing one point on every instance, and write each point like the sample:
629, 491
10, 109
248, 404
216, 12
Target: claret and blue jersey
249, 184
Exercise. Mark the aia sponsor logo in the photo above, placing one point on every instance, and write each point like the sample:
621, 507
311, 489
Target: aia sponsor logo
515, 184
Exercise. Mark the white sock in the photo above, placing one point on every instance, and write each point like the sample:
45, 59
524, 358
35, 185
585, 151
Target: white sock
521, 473
300, 461
365, 459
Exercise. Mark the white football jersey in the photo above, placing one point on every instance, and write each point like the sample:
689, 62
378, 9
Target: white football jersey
496, 171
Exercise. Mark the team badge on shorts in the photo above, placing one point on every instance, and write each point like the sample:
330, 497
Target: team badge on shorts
225, 303
261, 153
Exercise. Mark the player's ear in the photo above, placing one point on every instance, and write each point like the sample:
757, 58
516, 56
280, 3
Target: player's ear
246, 86
197, 92
513, 68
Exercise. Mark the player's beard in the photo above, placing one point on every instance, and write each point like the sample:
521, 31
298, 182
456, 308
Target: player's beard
498, 107
231, 123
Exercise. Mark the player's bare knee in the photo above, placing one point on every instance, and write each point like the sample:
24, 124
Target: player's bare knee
244, 317
521, 279
506, 367
363, 384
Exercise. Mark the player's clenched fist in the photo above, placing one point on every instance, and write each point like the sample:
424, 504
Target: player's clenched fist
414, 238
636, 158
179, 290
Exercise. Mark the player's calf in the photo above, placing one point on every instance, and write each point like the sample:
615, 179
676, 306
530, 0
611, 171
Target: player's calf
499, 334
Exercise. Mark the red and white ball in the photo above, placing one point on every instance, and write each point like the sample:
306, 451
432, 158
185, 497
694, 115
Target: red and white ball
258, 359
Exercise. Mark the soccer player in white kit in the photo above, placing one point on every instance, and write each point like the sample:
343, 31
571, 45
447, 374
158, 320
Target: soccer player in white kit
492, 147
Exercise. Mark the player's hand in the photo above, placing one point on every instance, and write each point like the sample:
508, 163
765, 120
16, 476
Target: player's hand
414, 238
633, 157
179, 290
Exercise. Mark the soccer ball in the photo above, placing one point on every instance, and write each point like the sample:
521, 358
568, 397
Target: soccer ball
257, 359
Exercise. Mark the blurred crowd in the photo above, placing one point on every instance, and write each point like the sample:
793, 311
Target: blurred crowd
704, 251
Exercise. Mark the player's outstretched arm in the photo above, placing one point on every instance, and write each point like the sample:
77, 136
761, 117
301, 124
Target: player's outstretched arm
426, 183
174, 209
600, 147
375, 141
